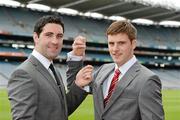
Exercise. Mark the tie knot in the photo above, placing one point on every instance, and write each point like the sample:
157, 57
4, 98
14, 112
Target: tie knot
51, 67
117, 72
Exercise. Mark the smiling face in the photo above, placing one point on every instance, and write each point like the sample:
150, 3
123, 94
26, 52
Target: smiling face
121, 48
121, 41
49, 42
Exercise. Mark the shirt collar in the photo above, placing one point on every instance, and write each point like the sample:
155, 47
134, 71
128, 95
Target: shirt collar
125, 67
43, 60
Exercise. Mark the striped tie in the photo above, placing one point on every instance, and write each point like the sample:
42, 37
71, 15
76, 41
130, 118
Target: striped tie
112, 86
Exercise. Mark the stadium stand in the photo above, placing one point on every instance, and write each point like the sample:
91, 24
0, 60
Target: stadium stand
170, 78
158, 46
158, 36
20, 21
5, 71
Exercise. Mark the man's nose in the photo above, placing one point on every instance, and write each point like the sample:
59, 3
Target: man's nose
55, 40
115, 47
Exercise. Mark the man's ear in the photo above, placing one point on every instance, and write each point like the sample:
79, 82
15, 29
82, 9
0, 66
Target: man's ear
35, 38
134, 43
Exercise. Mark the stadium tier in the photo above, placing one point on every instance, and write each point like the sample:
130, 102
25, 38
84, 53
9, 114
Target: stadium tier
158, 46
169, 78
20, 21
91, 56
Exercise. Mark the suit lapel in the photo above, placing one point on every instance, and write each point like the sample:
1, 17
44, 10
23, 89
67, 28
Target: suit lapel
45, 73
61, 82
123, 83
61, 87
98, 86
62, 90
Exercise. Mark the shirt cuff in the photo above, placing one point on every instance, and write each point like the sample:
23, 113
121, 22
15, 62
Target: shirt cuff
72, 57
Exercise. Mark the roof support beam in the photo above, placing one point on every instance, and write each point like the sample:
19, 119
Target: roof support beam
158, 14
72, 3
107, 6
174, 17
133, 11
33, 1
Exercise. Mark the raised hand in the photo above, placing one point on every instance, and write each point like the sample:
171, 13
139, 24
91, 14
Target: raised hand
84, 76
79, 46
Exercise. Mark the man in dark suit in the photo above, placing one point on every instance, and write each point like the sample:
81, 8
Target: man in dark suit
125, 89
35, 88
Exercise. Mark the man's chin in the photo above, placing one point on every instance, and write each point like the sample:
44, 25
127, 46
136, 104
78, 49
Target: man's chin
54, 56
116, 59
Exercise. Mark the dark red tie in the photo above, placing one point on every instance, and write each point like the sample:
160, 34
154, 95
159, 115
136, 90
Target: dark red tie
112, 86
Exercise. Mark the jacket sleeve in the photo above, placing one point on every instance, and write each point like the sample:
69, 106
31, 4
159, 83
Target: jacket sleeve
22, 96
75, 97
73, 69
150, 100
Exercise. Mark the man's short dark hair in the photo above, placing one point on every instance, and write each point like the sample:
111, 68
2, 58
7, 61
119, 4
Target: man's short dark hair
45, 20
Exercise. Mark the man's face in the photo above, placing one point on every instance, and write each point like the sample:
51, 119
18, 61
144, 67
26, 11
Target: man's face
121, 48
50, 41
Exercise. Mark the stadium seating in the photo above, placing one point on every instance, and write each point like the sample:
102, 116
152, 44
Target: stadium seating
169, 78
5, 71
20, 21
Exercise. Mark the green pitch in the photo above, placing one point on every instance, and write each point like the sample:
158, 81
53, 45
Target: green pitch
171, 103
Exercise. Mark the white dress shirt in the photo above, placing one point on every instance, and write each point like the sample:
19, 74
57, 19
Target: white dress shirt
44, 61
123, 69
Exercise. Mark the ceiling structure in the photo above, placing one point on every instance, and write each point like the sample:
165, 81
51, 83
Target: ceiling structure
129, 10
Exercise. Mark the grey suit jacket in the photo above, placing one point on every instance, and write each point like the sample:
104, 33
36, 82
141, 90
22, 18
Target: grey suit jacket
137, 95
34, 94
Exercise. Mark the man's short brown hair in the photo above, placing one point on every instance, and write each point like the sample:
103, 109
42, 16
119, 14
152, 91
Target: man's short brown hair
122, 27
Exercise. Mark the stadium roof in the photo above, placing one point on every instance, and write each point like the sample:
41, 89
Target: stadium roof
125, 8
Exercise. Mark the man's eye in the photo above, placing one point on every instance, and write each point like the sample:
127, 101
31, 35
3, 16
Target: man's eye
49, 34
60, 36
111, 43
121, 43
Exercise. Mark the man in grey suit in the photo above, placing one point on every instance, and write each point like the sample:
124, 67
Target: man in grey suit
134, 92
35, 88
